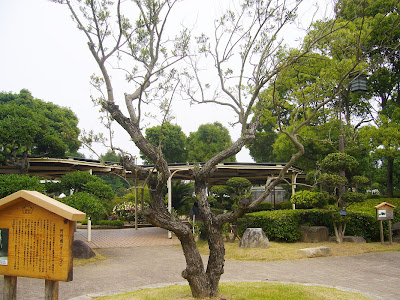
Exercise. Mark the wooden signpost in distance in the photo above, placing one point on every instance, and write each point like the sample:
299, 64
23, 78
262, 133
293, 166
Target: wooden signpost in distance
36, 235
385, 211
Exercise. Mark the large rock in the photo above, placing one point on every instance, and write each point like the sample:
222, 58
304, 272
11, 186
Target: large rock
354, 239
254, 238
314, 234
315, 252
81, 250
349, 239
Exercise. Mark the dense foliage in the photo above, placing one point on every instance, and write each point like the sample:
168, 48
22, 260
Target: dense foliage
78, 182
88, 204
283, 225
311, 199
171, 140
32, 127
207, 141
12, 183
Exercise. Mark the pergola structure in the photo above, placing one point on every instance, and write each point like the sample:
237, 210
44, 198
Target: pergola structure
257, 173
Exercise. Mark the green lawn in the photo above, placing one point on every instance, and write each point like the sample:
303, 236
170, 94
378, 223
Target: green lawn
244, 291
288, 251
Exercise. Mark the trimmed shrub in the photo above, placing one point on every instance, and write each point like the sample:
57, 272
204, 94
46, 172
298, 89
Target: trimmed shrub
353, 197
12, 183
284, 225
278, 225
117, 223
264, 206
283, 205
87, 203
309, 199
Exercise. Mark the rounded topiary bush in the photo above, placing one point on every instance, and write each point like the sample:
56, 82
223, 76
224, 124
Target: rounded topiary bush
86, 203
309, 199
353, 197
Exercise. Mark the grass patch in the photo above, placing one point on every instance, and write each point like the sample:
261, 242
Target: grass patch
83, 262
288, 251
245, 290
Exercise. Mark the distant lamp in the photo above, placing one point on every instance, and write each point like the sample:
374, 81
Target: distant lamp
358, 83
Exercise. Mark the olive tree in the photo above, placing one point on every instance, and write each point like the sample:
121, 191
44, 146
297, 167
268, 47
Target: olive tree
247, 55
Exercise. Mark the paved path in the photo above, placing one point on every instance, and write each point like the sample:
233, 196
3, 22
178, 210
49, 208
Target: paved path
116, 238
376, 275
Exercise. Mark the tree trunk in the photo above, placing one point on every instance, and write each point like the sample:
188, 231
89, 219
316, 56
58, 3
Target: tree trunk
194, 272
389, 178
204, 283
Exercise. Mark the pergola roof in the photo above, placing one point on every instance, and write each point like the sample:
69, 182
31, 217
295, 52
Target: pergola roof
257, 173
54, 168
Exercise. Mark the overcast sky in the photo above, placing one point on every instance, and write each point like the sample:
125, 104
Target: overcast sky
42, 51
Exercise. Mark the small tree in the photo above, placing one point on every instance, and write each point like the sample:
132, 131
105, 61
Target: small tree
335, 163
247, 53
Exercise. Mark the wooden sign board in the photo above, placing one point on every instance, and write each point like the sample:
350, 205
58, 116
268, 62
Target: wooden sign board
385, 211
36, 236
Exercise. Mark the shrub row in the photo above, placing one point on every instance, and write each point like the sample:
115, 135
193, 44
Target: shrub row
283, 225
117, 223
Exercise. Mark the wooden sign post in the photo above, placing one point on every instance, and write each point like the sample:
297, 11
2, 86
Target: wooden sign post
384, 211
36, 240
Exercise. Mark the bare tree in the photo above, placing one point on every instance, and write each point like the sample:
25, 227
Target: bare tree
247, 53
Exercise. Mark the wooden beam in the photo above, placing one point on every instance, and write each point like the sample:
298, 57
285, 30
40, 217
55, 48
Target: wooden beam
10, 287
51, 290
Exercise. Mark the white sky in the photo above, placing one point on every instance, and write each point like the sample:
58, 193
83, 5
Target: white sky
42, 50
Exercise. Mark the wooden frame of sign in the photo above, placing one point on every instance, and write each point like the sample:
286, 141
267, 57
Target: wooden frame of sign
36, 235
385, 211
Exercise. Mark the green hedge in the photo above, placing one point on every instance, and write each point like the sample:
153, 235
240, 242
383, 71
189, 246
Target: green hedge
117, 223
278, 225
283, 225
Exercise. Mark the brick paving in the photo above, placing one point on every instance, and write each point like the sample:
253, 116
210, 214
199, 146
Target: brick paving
127, 268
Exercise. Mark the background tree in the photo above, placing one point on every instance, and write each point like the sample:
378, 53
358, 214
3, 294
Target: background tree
381, 48
172, 141
384, 141
247, 54
119, 185
32, 127
207, 141
182, 197
229, 196
261, 148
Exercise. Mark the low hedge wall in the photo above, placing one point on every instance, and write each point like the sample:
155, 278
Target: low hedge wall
278, 225
117, 223
283, 225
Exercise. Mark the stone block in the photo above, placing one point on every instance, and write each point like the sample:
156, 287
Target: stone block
314, 234
315, 252
254, 238
354, 239
81, 250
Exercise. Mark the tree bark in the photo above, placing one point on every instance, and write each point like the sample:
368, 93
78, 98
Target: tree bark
389, 178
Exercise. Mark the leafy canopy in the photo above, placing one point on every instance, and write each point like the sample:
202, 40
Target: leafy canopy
172, 141
207, 141
32, 127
